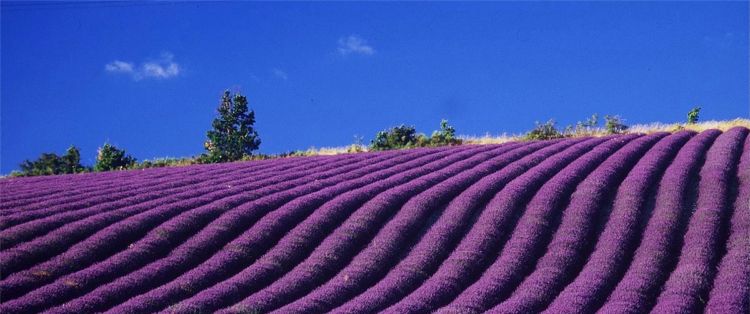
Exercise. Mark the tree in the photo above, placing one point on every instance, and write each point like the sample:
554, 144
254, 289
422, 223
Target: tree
614, 124
51, 163
71, 161
692, 116
109, 157
233, 135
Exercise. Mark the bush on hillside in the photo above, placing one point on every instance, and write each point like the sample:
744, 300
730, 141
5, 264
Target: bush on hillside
445, 136
164, 162
692, 116
109, 157
544, 131
614, 124
406, 136
402, 136
51, 163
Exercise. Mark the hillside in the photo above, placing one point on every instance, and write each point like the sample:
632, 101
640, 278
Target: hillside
622, 223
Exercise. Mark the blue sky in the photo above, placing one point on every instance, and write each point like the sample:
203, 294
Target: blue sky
148, 77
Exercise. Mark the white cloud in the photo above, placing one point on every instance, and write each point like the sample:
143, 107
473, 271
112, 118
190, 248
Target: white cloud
118, 66
354, 44
278, 73
162, 68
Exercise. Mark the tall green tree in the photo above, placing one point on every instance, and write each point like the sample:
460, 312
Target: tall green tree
233, 135
109, 157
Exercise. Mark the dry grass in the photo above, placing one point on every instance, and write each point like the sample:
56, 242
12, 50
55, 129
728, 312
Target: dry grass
489, 139
327, 151
637, 128
698, 127
505, 137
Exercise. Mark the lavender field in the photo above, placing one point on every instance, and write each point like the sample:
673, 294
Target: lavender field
616, 224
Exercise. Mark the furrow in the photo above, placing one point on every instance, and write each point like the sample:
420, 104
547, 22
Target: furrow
731, 287
75, 197
301, 239
184, 257
487, 236
688, 285
621, 232
228, 216
349, 237
152, 194
440, 239
569, 246
383, 250
531, 234
97, 244
640, 285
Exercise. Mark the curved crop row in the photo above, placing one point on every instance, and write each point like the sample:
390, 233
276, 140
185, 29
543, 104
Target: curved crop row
731, 288
569, 247
183, 222
66, 204
651, 262
156, 194
622, 223
689, 283
531, 232
622, 228
185, 256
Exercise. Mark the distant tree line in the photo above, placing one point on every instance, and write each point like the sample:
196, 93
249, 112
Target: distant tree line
233, 137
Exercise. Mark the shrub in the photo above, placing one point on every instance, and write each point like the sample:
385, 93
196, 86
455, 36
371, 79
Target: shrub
401, 136
406, 136
164, 162
614, 124
587, 127
51, 163
109, 157
692, 116
445, 136
544, 131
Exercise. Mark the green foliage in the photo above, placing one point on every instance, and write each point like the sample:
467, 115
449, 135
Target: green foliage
109, 157
51, 163
692, 116
406, 136
544, 131
71, 161
588, 126
614, 124
164, 162
233, 136
445, 136
402, 136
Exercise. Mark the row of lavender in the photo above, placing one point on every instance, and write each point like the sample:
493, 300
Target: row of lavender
631, 223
